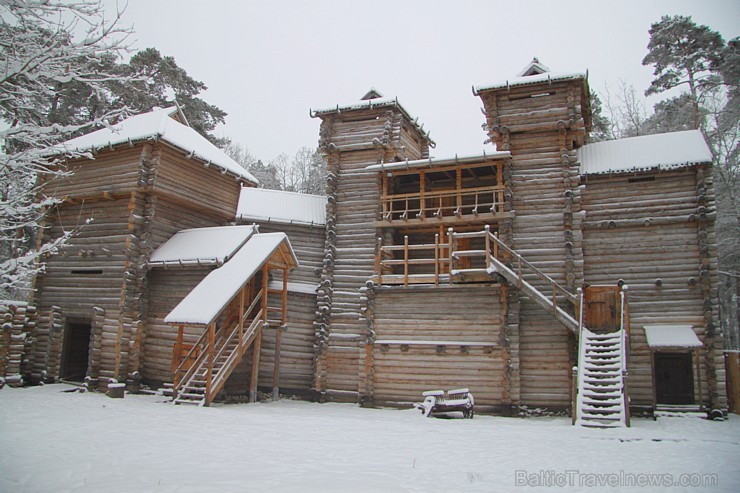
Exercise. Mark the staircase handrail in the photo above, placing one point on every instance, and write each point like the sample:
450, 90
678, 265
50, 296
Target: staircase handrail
624, 351
578, 398
221, 375
522, 262
181, 381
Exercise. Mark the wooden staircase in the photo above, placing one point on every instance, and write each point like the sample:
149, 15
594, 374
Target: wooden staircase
601, 391
203, 370
600, 397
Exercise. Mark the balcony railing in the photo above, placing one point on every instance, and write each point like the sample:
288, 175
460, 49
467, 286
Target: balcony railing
460, 257
439, 204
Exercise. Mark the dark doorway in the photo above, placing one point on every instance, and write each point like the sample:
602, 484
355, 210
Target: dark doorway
674, 378
76, 351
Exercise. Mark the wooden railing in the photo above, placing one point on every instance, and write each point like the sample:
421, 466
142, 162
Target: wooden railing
442, 203
212, 344
403, 264
523, 267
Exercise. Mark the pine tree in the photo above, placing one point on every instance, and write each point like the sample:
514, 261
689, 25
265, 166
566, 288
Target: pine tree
683, 54
42, 67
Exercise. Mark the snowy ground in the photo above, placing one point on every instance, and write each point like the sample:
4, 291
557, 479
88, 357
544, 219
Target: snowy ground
59, 441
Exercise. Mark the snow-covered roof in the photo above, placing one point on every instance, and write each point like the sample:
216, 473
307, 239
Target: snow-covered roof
671, 336
201, 246
358, 105
531, 79
434, 163
373, 103
661, 151
533, 68
206, 301
159, 124
263, 205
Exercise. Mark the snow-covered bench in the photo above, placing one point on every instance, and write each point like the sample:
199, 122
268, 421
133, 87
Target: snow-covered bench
458, 400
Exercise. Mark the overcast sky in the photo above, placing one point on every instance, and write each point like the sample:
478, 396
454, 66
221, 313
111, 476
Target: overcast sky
267, 63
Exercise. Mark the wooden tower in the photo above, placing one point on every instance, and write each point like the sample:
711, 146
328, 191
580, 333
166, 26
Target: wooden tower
352, 137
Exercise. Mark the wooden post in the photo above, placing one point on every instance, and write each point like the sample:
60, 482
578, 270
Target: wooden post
384, 197
488, 246
436, 259
655, 393
177, 352
422, 186
458, 187
211, 354
519, 271
626, 398
378, 261
406, 260
257, 344
242, 294
450, 252
554, 298
574, 394
697, 358
278, 339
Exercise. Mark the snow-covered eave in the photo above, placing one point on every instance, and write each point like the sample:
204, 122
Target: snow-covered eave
278, 220
199, 262
642, 169
157, 138
437, 163
548, 77
175, 317
374, 103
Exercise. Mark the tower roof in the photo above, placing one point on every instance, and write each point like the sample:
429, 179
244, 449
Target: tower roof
166, 124
533, 68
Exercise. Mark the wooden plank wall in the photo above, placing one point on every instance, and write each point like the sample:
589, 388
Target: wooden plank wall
111, 171
298, 342
540, 132
642, 228
97, 257
167, 288
466, 315
190, 181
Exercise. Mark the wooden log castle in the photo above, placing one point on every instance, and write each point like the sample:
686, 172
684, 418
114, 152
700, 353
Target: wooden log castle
548, 273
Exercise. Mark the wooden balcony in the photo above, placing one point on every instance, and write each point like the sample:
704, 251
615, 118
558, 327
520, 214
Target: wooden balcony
443, 207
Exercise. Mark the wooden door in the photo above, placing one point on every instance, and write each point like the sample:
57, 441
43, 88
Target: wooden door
602, 308
674, 378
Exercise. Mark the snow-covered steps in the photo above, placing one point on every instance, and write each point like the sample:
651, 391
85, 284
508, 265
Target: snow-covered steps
601, 400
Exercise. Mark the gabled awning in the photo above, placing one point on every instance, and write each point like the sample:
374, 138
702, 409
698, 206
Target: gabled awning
201, 246
208, 299
671, 336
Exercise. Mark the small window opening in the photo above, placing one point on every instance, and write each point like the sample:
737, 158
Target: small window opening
639, 179
86, 271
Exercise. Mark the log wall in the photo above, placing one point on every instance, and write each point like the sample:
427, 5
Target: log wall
541, 125
352, 140
17, 320
167, 288
429, 338
647, 230
125, 203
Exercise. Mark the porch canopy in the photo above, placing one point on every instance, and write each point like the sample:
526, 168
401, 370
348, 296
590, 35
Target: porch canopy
671, 337
201, 246
208, 299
